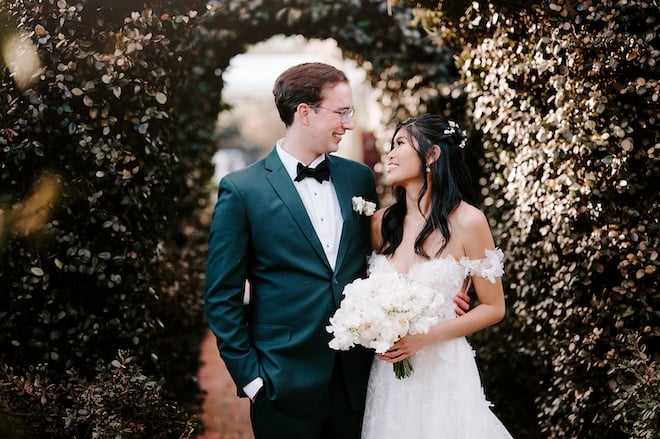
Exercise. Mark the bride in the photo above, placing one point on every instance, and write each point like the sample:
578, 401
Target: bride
435, 235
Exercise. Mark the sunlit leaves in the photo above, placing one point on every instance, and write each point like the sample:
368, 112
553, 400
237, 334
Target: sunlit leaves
161, 98
566, 102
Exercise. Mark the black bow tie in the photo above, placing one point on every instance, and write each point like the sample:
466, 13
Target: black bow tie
320, 173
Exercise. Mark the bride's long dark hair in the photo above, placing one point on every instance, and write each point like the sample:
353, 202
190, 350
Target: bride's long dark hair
450, 181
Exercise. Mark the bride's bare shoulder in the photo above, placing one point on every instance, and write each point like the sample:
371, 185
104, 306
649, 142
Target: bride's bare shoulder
467, 216
471, 229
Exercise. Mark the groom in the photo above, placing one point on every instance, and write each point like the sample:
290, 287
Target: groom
286, 226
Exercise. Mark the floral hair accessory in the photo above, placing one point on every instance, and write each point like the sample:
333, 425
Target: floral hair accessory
453, 128
363, 207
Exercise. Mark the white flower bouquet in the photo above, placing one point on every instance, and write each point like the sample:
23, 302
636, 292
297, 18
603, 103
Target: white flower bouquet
380, 309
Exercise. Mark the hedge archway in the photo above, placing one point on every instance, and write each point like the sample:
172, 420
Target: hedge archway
103, 290
105, 159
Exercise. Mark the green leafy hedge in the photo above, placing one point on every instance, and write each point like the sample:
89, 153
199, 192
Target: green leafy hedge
94, 152
105, 171
565, 95
105, 164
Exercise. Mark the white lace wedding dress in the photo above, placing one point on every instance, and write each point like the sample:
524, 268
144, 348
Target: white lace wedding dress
443, 397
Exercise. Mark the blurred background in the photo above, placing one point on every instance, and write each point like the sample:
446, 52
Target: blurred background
250, 128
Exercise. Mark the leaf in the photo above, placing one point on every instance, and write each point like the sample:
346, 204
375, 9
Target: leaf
37, 271
627, 145
161, 97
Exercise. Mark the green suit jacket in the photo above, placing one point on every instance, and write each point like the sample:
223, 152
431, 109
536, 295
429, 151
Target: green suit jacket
261, 232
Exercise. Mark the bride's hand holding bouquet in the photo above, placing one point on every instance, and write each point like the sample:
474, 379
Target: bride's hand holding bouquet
377, 311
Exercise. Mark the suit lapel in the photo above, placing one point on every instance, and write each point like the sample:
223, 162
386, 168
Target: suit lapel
283, 186
341, 182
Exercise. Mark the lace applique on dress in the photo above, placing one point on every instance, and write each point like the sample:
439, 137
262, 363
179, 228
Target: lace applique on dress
489, 267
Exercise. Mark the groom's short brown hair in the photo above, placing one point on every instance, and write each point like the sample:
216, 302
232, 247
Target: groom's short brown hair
303, 83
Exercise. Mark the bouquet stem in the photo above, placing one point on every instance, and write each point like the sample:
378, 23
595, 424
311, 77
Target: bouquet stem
402, 369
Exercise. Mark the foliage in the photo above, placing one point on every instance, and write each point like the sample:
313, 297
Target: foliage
636, 388
105, 163
565, 95
106, 156
120, 401
102, 194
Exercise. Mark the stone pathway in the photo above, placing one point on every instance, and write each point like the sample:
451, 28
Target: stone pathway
225, 415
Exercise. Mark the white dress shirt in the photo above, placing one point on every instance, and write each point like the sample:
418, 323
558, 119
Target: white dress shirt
321, 203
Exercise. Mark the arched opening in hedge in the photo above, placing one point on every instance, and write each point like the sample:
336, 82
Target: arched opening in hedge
410, 72
122, 120
124, 113
250, 124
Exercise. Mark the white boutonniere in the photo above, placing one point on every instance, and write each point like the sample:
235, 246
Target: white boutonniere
363, 207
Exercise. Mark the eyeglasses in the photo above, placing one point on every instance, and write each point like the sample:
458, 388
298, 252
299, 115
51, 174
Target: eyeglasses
344, 115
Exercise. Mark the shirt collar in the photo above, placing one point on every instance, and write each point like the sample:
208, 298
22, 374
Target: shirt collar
291, 163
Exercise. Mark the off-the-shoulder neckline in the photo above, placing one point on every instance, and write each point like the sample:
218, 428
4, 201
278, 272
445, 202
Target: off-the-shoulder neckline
447, 258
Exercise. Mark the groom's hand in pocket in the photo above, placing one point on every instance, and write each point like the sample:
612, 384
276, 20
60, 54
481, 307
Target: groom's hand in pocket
259, 395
